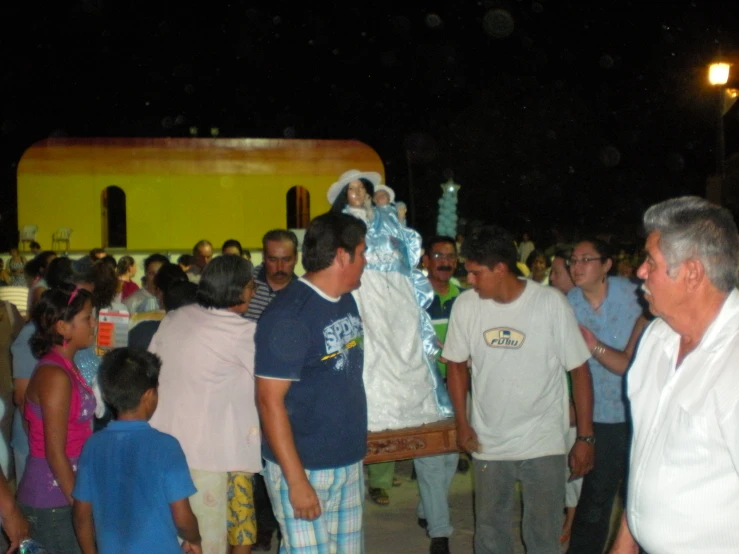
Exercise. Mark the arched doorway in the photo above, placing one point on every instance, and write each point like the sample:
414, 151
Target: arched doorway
298, 208
113, 217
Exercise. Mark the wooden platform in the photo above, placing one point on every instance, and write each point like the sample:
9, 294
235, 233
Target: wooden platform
412, 442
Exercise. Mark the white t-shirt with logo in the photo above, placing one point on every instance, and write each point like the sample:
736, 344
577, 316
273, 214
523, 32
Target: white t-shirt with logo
520, 354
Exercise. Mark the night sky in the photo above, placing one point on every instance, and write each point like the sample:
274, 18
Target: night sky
548, 113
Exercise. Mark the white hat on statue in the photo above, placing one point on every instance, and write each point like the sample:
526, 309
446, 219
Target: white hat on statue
386, 189
349, 176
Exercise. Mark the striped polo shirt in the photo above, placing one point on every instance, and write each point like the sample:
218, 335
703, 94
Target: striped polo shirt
263, 294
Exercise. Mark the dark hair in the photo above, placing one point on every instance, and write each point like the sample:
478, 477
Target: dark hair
54, 306
180, 293
45, 257
185, 259
125, 375
167, 276
104, 284
161, 258
438, 239
60, 273
33, 244
222, 282
109, 261
342, 200
94, 253
564, 254
328, 233
124, 264
536, 254
490, 245
200, 244
280, 235
232, 243
37, 266
602, 248
32, 268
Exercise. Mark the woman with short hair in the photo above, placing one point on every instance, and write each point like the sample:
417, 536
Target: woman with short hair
206, 400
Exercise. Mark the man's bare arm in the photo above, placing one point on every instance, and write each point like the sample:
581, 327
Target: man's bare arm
458, 382
582, 455
278, 431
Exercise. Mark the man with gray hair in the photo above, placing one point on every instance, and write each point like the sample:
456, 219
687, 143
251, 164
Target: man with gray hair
684, 386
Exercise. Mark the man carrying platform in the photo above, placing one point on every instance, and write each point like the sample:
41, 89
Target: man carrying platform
521, 338
310, 393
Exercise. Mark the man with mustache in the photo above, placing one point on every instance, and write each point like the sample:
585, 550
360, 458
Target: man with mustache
277, 270
435, 473
682, 386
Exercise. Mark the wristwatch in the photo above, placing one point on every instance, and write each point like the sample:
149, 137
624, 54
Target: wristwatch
590, 439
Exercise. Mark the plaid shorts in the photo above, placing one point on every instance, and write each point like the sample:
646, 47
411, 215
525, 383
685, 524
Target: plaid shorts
338, 530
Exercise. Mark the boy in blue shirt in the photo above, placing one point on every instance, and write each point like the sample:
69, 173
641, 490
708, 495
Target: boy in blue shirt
132, 486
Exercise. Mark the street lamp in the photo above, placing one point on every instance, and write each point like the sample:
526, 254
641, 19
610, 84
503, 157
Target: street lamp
718, 76
718, 73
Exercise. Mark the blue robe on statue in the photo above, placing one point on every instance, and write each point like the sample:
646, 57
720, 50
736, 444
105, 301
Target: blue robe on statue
403, 385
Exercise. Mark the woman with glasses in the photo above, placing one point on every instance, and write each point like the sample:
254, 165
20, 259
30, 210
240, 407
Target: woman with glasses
609, 307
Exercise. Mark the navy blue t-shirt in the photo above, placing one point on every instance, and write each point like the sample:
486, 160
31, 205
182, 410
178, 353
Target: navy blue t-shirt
317, 343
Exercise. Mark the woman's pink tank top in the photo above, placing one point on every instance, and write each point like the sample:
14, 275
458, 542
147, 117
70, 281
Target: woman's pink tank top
81, 411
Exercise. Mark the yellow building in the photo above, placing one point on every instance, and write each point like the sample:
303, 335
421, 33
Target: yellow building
167, 194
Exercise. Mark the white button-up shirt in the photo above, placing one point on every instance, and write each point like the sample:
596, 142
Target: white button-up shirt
683, 494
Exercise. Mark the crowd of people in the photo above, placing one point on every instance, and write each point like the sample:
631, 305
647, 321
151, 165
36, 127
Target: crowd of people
238, 414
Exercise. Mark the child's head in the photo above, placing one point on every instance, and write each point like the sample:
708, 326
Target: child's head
384, 195
63, 317
128, 379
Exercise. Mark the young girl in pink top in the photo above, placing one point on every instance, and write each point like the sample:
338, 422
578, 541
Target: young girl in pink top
59, 408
